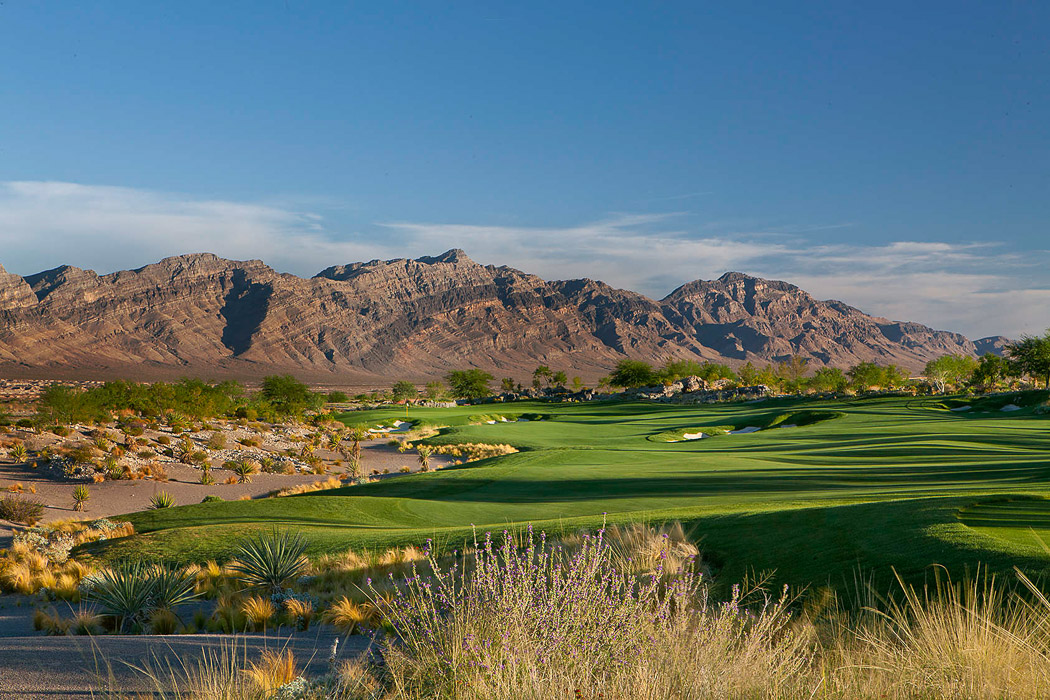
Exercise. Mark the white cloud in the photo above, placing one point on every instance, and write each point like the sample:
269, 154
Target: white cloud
973, 288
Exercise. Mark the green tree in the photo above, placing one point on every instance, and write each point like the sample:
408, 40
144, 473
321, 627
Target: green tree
793, 369
542, 373
949, 370
507, 384
559, 378
894, 377
469, 383
865, 375
59, 403
828, 379
768, 376
435, 391
632, 373
577, 384
1032, 356
748, 375
403, 391
286, 394
337, 397
991, 369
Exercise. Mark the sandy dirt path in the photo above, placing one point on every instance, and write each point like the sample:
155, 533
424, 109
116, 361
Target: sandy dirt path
38, 668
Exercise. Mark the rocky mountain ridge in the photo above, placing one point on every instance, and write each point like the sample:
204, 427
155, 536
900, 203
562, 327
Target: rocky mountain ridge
201, 314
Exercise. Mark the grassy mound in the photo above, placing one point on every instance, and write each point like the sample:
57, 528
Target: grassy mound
1027, 401
792, 419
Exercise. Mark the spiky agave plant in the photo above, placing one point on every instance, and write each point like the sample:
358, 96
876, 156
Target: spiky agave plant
267, 561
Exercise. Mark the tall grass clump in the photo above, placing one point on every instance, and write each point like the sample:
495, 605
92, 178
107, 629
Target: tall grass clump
541, 621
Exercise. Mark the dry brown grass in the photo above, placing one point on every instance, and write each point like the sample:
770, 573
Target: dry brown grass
272, 670
322, 485
258, 612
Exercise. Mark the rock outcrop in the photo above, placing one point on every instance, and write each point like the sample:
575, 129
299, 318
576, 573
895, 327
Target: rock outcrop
417, 319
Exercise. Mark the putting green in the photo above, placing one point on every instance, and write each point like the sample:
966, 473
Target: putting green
870, 483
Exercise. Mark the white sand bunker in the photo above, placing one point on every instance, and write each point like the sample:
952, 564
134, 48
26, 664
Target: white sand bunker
962, 408
399, 426
1010, 407
748, 429
693, 436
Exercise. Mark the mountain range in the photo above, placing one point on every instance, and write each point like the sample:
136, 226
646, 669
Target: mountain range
417, 319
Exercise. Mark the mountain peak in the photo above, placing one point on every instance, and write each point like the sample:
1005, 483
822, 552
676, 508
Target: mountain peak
453, 255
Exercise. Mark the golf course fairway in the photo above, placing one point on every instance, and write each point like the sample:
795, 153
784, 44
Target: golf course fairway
823, 489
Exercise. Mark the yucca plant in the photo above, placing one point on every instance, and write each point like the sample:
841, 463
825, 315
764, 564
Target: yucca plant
424, 452
81, 495
171, 587
268, 561
160, 500
19, 452
244, 470
124, 593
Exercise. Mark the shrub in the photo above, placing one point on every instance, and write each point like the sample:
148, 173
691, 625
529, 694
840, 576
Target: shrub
582, 627
86, 622
24, 423
163, 621
19, 509
159, 471
211, 498
268, 561
217, 441
163, 499
50, 623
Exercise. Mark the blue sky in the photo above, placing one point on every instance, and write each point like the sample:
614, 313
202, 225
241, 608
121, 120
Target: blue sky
892, 155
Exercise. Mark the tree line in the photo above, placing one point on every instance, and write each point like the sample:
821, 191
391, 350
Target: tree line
1027, 358
280, 397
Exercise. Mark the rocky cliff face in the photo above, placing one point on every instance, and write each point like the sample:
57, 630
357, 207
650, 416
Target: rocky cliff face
417, 319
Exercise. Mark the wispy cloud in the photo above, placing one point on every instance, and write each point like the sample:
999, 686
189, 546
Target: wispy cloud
975, 288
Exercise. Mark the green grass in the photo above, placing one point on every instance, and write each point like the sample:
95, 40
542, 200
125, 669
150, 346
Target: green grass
869, 483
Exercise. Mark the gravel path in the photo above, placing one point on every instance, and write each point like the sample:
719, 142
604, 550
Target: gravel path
40, 667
